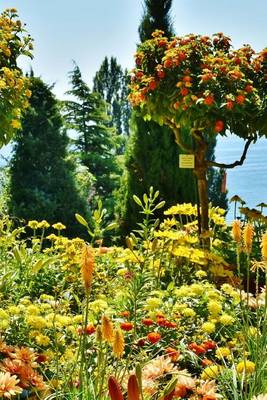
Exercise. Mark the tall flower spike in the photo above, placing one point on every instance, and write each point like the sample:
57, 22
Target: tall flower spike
236, 231
114, 389
118, 343
107, 329
264, 246
248, 234
87, 267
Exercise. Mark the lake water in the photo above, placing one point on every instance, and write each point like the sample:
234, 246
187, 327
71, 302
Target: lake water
248, 181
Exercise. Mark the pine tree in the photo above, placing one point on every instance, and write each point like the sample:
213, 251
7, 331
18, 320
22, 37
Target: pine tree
112, 84
152, 157
87, 115
42, 182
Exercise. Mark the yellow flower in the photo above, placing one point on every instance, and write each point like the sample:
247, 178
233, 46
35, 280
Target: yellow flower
214, 308
33, 224
42, 340
58, 226
152, 303
208, 327
16, 124
226, 319
245, 366
118, 343
201, 274
264, 246
222, 352
43, 224
210, 372
188, 312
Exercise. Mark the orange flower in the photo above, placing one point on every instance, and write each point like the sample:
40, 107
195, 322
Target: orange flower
125, 314
248, 234
153, 337
174, 354
230, 104
87, 267
107, 329
118, 343
236, 231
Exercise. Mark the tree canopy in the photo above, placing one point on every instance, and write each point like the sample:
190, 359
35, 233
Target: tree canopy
202, 83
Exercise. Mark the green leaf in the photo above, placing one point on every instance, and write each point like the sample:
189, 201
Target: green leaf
160, 205
137, 200
170, 386
111, 226
81, 220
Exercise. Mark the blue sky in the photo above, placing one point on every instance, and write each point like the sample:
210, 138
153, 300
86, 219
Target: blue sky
88, 30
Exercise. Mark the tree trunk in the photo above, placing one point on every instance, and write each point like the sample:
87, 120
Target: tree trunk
201, 169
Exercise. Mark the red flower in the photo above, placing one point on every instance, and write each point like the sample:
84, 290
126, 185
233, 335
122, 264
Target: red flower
209, 100
89, 330
196, 348
230, 104
209, 344
169, 324
152, 85
240, 99
147, 321
160, 73
219, 126
249, 88
161, 321
184, 91
141, 343
126, 326
168, 63
153, 337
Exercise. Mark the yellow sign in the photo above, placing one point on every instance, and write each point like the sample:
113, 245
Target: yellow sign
186, 161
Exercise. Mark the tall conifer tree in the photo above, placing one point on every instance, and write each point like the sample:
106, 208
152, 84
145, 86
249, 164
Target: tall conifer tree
112, 84
96, 140
152, 154
42, 181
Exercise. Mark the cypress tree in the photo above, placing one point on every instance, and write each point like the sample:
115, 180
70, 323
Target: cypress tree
112, 84
152, 156
42, 182
96, 142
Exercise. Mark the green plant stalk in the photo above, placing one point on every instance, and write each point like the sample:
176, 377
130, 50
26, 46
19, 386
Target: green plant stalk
84, 340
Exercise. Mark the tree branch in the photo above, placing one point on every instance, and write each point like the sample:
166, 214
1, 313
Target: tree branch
178, 138
236, 163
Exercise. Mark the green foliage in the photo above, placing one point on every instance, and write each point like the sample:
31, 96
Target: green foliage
152, 159
42, 182
112, 84
96, 141
156, 16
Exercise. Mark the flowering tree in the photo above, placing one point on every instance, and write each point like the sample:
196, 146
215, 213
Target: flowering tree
14, 91
201, 84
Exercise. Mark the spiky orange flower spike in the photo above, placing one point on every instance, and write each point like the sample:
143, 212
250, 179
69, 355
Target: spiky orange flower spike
107, 329
133, 388
248, 234
114, 389
87, 267
118, 343
236, 231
